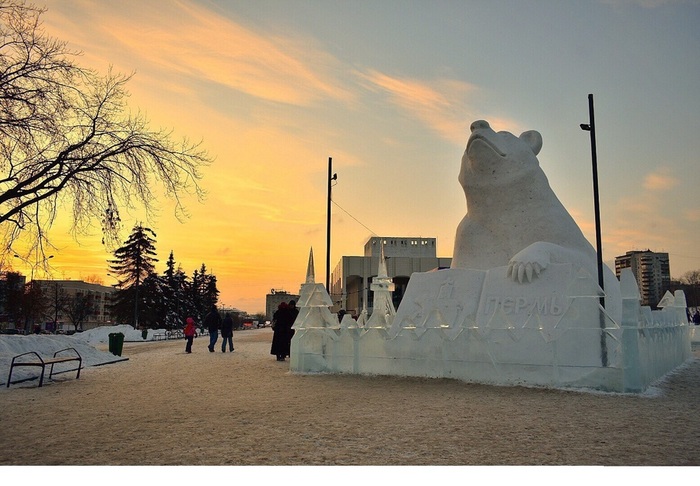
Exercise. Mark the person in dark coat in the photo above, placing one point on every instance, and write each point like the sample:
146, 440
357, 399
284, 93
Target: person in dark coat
212, 321
283, 320
279, 331
227, 333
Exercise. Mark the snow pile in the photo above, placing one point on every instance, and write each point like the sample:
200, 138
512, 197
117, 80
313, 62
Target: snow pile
47, 344
100, 335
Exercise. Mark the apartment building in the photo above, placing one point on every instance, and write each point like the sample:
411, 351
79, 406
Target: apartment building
63, 295
652, 271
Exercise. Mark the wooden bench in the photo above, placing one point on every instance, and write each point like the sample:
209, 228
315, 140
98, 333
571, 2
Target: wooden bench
43, 362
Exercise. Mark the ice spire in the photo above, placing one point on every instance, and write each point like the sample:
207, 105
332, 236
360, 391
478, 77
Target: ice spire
314, 303
383, 310
310, 276
381, 271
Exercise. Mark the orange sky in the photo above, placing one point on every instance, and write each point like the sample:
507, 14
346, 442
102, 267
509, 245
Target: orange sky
275, 88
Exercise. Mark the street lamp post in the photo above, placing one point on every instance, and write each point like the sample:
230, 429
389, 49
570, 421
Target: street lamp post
331, 177
590, 127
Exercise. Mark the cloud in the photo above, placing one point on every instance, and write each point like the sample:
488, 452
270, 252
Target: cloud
660, 180
191, 41
440, 104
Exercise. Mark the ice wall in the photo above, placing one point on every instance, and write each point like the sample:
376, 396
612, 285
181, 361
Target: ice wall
479, 326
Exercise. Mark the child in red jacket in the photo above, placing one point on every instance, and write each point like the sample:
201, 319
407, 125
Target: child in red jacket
190, 333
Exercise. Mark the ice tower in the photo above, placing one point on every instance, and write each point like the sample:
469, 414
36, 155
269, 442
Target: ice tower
314, 302
383, 306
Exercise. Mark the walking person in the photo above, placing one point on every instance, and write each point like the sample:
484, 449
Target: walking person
212, 321
190, 333
227, 333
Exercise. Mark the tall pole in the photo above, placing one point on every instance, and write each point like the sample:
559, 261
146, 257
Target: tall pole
599, 246
331, 177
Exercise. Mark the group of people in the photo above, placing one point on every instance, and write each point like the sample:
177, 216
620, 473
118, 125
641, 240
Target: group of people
282, 322
214, 323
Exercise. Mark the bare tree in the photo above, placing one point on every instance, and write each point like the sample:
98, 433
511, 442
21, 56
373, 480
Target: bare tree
57, 300
94, 279
691, 277
78, 309
68, 139
690, 284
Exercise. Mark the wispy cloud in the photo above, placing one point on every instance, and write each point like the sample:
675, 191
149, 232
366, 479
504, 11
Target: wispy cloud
189, 40
660, 180
441, 104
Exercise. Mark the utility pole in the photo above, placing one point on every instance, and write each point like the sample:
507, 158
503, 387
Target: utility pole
590, 127
331, 177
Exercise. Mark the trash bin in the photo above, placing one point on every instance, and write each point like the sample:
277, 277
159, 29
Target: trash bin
116, 343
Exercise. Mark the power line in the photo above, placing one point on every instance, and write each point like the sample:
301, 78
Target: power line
353, 217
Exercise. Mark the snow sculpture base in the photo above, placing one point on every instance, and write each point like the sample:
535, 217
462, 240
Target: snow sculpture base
479, 326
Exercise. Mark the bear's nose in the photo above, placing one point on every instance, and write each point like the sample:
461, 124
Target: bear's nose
479, 124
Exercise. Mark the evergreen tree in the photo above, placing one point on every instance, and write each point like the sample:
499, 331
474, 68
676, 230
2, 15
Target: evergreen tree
133, 263
194, 298
153, 304
202, 292
208, 293
175, 295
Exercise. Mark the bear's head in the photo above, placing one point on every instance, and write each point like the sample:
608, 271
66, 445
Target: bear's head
496, 159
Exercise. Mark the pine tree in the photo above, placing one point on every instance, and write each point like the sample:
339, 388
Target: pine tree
153, 304
175, 299
208, 293
133, 263
202, 292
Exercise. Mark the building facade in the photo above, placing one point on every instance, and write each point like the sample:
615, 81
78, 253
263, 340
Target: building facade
652, 271
275, 298
74, 304
351, 280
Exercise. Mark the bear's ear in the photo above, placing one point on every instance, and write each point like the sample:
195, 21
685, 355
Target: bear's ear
533, 139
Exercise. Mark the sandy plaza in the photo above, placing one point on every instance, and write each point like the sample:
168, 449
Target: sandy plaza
165, 407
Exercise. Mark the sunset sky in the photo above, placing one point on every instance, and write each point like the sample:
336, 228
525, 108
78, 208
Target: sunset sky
388, 89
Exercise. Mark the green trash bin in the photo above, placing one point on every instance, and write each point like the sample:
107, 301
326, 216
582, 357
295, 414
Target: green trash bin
116, 343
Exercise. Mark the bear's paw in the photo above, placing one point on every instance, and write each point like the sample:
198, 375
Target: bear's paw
527, 264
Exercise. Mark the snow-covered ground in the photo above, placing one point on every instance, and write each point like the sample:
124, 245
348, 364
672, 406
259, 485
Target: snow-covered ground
46, 345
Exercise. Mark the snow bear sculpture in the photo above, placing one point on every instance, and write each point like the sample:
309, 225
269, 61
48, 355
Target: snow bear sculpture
513, 216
